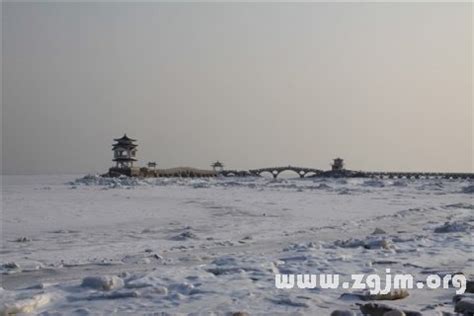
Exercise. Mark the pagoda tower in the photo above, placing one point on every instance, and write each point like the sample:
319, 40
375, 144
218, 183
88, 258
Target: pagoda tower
124, 152
338, 164
217, 166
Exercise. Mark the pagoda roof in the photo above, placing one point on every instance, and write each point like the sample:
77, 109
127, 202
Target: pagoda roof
217, 164
125, 139
124, 146
124, 159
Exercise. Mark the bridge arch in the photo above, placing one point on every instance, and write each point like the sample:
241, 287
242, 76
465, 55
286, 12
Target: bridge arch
276, 171
310, 173
271, 172
290, 173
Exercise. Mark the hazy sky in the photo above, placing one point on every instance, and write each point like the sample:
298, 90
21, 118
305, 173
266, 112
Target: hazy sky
385, 86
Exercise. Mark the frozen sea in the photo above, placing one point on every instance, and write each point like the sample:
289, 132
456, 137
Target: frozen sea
97, 246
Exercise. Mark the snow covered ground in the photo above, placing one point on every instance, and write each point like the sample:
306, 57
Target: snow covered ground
95, 246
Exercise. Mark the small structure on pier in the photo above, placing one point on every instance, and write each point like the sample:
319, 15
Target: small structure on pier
217, 166
338, 164
151, 165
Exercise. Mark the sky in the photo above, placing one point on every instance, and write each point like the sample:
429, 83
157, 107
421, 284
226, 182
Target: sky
385, 86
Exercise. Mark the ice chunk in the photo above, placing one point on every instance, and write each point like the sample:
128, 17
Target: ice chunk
25, 305
468, 189
453, 227
103, 283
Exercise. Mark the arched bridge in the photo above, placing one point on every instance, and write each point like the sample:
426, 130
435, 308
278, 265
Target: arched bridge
305, 172
275, 171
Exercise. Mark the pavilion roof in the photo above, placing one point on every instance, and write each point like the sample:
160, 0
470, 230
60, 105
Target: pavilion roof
124, 146
217, 164
125, 139
124, 159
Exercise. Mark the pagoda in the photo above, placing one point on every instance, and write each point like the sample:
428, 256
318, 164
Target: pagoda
125, 151
338, 164
217, 166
